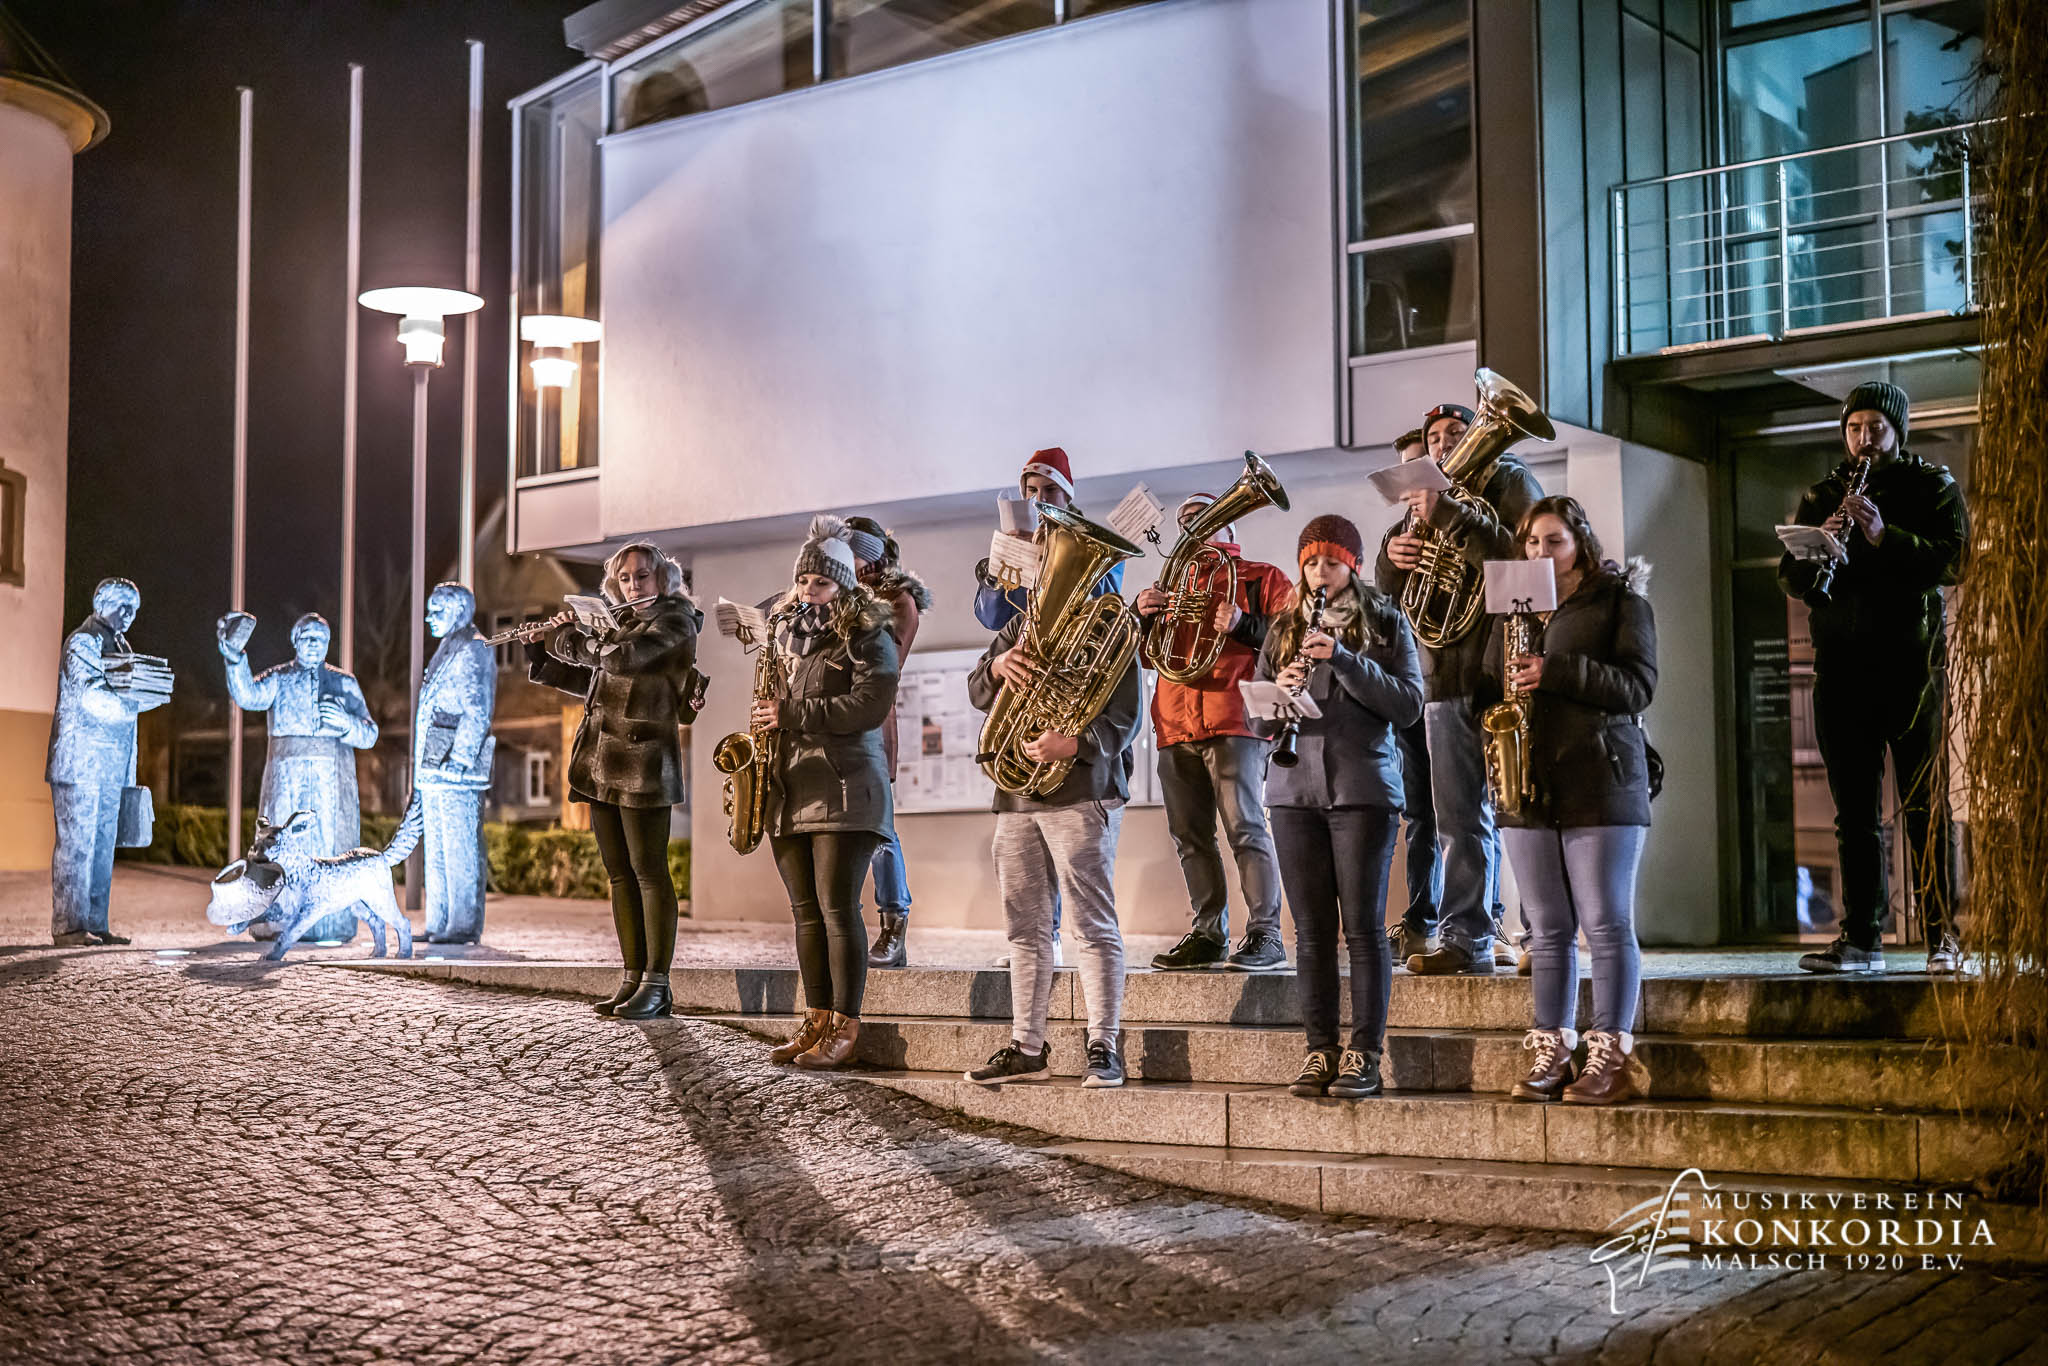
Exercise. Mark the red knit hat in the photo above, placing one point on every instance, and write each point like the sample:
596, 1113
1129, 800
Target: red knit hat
1052, 463
1333, 537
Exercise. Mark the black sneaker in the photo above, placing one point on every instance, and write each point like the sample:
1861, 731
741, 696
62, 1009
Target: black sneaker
1318, 1069
1105, 1066
1259, 951
1358, 1076
1012, 1063
1195, 950
1843, 956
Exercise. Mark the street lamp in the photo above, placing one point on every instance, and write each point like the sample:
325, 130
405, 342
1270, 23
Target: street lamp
554, 338
420, 310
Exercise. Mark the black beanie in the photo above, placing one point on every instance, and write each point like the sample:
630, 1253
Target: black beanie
1877, 396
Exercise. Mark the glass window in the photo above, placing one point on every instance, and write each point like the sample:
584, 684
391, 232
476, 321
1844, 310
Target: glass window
763, 50
1411, 151
868, 35
1930, 67
1805, 90
1742, 12
1422, 294
1077, 9
558, 239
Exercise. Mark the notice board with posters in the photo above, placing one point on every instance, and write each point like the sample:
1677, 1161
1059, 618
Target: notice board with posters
938, 729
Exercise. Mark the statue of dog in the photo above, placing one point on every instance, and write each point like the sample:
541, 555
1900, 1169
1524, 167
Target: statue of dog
282, 881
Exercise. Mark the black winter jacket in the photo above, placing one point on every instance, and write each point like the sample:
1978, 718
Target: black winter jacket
1102, 770
832, 767
631, 678
1586, 745
1481, 534
1884, 607
1350, 755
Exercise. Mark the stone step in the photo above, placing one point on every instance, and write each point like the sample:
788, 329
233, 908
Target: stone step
1896, 1006
1861, 1074
1581, 1199
1670, 1134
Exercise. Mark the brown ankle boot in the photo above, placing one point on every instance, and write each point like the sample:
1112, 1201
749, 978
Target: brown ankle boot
1549, 1070
1610, 1075
808, 1031
835, 1049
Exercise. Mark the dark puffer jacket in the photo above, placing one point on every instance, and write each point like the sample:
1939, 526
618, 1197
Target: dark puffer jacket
908, 600
1586, 743
834, 774
631, 679
1482, 534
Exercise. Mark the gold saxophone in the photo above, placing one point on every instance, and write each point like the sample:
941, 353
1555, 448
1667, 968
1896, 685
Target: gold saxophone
748, 757
1080, 645
1506, 726
1445, 591
1181, 643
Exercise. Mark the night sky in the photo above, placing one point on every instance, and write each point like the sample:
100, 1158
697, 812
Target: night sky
153, 263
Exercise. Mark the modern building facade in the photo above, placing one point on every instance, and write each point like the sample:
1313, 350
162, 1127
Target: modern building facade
866, 255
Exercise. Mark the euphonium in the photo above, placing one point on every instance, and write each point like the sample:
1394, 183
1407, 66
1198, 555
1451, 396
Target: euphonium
1445, 591
1181, 643
1080, 646
1506, 727
748, 757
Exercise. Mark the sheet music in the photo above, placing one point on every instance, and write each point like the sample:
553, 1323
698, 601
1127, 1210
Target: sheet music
1268, 701
746, 624
1012, 561
592, 613
1137, 515
1521, 586
1017, 514
1812, 543
1406, 477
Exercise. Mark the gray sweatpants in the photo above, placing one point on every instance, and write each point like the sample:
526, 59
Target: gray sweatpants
1223, 777
1045, 857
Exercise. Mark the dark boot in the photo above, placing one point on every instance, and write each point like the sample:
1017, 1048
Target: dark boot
628, 984
835, 1047
1611, 1074
1450, 959
809, 1030
891, 948
650, 1002
1549, 1070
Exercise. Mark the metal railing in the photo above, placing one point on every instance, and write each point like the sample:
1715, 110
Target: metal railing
1834, 237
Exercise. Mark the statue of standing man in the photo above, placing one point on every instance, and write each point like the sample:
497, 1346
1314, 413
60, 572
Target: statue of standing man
318, 719
91, 772
451, 754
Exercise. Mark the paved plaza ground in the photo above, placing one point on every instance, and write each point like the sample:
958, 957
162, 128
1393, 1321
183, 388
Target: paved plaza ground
208, 1158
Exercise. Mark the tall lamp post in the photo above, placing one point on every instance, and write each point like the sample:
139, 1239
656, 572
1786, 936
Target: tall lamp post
421, 310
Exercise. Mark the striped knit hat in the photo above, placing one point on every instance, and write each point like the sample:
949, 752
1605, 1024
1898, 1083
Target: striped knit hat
1331, 536
1877, 396
826, 551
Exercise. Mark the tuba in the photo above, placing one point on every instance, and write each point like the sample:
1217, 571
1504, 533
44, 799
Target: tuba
748, 757
1445, 591
1505, 728
1081, 646
1180, 642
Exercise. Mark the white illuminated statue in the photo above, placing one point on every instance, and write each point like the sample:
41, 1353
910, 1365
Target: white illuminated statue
452, 754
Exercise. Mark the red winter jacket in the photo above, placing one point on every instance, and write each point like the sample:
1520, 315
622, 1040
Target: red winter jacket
1212, 706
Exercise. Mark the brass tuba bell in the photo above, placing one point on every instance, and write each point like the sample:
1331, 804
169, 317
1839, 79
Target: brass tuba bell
1180, 642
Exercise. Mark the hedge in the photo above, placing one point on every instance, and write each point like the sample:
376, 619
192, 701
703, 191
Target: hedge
524, 860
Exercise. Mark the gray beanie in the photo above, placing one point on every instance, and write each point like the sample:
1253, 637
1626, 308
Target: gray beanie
1877, 396
827, 551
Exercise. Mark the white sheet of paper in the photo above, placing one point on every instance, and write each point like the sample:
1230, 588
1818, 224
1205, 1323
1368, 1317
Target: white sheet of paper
1013, 561
1017, 514
746, 624
592, 612
1137, 514
1521, 586
1268, 701
1812, 543
1406, 477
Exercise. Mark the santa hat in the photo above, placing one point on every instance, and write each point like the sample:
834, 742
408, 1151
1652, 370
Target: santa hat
1202, 500
1052, 464
826, 551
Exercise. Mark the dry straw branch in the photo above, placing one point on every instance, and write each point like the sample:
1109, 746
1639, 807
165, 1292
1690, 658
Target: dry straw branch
1999, 1027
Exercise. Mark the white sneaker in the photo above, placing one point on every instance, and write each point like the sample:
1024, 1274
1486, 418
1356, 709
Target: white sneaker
1946, 958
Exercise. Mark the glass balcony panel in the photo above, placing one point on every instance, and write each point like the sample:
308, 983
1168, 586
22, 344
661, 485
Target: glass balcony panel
1419, 295
1411, 153
1837, 277
1927, 263
763, 50
869, 35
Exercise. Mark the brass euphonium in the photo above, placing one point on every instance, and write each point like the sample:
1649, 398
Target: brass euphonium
1445, 591
1080, 644
1180, 642
748, 757
1505, 725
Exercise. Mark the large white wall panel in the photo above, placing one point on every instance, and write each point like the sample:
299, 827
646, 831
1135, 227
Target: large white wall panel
1115, 236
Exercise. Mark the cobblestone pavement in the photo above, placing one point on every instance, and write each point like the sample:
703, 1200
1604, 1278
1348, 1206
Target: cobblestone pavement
223, 1161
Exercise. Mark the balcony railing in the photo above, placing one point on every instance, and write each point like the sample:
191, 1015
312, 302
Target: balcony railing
1765, 249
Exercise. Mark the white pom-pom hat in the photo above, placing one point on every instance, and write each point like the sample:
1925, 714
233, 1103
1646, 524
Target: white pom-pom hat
828, 550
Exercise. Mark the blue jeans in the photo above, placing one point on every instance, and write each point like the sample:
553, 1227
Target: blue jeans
892, 889
1464, 823
1334, 862
1424, 866
1572, 880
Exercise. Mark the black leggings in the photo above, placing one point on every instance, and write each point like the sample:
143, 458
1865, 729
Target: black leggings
824, 873
1334, 864
633, 841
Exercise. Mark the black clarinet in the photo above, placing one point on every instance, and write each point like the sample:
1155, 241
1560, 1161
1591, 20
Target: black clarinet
1287, 752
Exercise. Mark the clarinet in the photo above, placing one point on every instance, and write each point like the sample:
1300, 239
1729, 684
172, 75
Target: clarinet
1287, 753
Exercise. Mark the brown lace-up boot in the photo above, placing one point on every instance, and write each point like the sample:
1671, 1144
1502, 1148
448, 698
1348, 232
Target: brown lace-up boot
835, 1049
1549, 1070
808, 1031
1611, 1074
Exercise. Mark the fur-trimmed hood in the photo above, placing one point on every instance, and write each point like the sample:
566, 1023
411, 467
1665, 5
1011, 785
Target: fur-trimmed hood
896, 579
1634, 575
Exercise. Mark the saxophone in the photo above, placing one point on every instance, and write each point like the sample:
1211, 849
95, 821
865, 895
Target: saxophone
748, 757
1505, 726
